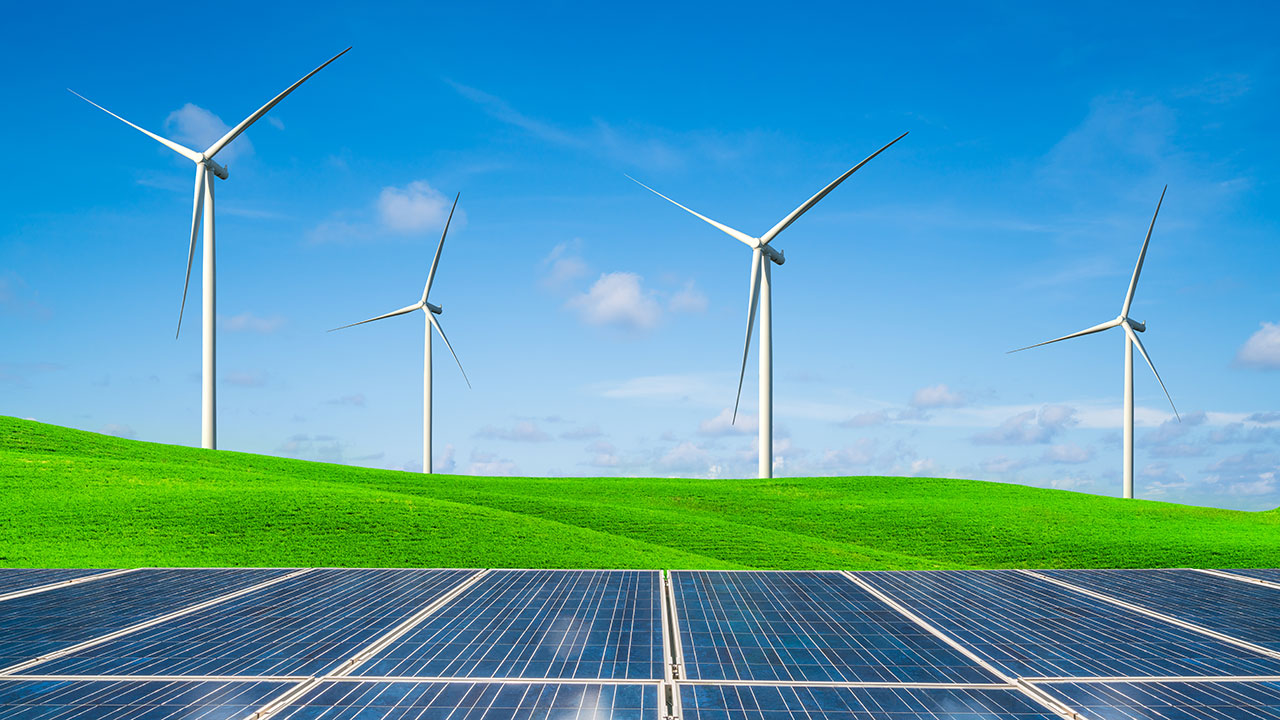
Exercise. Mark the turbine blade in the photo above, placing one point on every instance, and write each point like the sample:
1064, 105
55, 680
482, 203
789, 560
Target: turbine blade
436, 324
191, 155
1096, 328
750, 241
436, 260
197, 205
752, 301
393, 313
1137, 270
1133, 338
795, 214
244, 124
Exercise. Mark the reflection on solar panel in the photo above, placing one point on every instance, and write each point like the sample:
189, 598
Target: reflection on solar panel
745, 702
301, 626
25, 579
1242, 610
1172, 700
84, 699
33, 625
1032, 628
538, 624
474, 701
804, 626
1268, 575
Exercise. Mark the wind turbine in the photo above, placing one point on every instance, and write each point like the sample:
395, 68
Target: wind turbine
762, 290
431, 311
1131, 329
206, 169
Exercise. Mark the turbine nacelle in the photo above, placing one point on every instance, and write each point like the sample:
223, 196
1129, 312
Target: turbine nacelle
778, 257
426, 306
1137, 326
215, 168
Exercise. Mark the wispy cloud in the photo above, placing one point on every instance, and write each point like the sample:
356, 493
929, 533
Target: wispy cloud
197, 128
522, 431
409, 210
1262, 349
618, 300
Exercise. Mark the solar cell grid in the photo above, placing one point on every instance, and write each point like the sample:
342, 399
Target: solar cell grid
153, 700
804, 626
722, 702
15, 580
302, 626
538, 624
1029, 627
34, 625
1171, 700
1270, 575
1242, 610
474, 701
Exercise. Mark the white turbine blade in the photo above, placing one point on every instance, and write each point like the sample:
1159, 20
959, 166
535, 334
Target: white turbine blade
244, 124
436, 260
1096, 328
191, 155
1133, 338
750, 241
436, 324
786, 221
1137, 270
196, 206
752, 299
393, 313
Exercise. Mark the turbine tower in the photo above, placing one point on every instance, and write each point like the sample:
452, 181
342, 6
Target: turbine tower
431, 311
206, 170
1131, 330
762, 291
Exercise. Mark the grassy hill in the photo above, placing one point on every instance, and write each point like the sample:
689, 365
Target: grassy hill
70, 498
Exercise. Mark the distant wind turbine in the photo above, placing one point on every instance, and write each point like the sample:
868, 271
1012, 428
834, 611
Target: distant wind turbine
431, 311
1131, 330
206, 170
761, 290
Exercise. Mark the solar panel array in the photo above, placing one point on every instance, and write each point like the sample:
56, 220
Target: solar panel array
368, 644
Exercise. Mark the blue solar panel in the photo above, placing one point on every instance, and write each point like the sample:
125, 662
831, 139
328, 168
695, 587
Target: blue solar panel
1242, 610
34, 625
1260, 574
804, 626
1032, 628
302, 626
1171, 700
86, 699
752, 702
474, 701
15, 580
538, 624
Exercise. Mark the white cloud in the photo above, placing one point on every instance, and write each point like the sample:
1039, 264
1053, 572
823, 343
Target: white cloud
1262, 349
723, 424
682, 387
1002, 464
1068, 454
563, 265
1030, 427
413, 208
197, 128
120, 431
248, 322
604, 454
586, 432
445, 462
483, 463
618, 300
686, 458
866, 419
935, 397
522, 431
688, 299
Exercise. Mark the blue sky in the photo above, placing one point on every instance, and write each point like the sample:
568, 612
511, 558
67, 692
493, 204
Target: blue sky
601, 326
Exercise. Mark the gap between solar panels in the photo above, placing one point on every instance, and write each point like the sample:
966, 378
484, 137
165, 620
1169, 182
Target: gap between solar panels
6, 672
1154, 614
64, 583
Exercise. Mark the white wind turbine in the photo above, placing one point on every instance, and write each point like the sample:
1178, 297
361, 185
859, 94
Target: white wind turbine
1131, 329
206, 170
761, 289
431, 311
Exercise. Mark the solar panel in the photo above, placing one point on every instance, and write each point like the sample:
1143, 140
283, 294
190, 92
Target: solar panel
302, 626
752, 702
474, 701
34, 625
1242, 610
804, 626
538, 624
1258, 574
154, 700
15, 580
1171, 700
1032, 628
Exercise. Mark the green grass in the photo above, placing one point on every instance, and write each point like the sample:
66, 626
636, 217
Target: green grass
70, 498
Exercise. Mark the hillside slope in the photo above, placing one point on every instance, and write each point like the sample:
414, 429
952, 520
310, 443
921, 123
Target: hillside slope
73, 498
